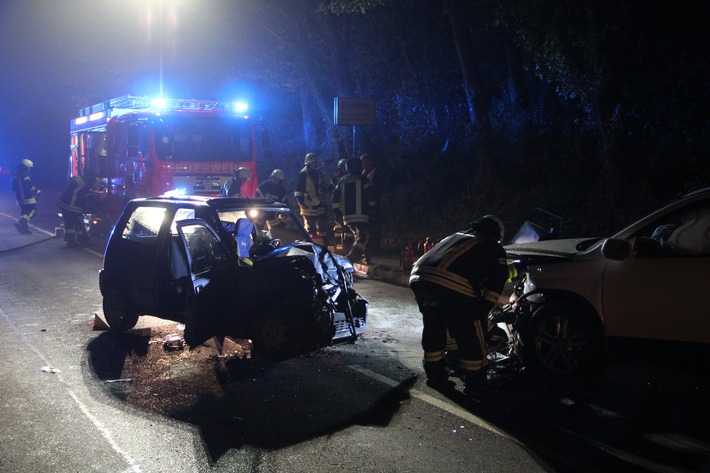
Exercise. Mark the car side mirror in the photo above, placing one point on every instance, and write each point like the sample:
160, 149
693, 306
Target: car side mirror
616, 249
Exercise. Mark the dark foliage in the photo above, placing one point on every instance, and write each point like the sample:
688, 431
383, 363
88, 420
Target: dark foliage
594, 110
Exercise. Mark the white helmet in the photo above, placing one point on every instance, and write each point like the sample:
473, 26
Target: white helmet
279, 174
243, 173
27, 163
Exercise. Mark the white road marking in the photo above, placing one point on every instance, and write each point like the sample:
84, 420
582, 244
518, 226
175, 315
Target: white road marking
445, 406
134, 467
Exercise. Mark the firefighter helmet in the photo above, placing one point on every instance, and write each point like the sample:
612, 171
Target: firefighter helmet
311, 158
278, 173
27, 163
489, 225
342, 162
242, 173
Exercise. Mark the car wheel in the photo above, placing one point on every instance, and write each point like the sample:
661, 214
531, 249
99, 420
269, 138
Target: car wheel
117, 310
561, 341
275, 336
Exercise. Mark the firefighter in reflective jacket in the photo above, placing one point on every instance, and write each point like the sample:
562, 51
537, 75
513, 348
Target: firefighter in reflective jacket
74, 201
311, 195
456, 284
354, 204
26, 194
274, 189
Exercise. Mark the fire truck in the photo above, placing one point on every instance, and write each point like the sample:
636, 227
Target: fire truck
140, 147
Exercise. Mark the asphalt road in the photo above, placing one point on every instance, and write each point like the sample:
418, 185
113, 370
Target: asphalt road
79, 399
73, 398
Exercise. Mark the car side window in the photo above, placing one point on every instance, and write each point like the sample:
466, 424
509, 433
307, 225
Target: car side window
144, 224
686, 233
206, 251
692, 236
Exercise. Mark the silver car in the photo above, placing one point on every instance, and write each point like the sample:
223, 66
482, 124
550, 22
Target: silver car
647, 281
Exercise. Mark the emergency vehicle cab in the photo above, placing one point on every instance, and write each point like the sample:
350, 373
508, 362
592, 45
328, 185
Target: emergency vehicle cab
141, 148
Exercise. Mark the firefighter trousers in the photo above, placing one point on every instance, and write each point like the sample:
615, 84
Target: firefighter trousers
463, 316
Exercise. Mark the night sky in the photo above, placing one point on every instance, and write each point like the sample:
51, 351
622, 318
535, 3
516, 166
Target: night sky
60, 55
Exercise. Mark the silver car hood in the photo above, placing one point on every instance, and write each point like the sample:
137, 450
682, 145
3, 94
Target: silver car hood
550, 249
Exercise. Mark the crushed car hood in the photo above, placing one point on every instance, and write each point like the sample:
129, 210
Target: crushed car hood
325, 263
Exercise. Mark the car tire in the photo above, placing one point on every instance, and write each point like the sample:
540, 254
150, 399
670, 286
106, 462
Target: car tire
275, 336
562, 341
117, 310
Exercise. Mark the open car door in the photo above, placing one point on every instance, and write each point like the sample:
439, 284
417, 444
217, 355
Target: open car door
209, 302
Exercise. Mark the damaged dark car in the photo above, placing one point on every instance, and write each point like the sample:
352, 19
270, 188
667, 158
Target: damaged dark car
236, 267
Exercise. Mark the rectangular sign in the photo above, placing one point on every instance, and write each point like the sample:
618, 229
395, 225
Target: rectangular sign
350, 111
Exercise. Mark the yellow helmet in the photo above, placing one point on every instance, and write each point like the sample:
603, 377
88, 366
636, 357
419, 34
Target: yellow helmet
501, 225
27, 163
489, 225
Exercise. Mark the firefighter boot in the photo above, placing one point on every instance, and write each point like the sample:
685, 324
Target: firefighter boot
476, 386
23, 226
436, 373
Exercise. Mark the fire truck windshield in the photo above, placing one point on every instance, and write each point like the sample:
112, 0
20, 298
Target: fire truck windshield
202, 138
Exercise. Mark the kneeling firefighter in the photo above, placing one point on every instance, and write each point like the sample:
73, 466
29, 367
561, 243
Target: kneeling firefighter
456, 284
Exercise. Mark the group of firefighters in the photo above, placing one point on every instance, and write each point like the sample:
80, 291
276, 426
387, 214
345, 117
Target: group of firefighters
456, 282
352, 195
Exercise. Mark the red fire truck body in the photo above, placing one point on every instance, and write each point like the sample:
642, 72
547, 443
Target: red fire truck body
144, 148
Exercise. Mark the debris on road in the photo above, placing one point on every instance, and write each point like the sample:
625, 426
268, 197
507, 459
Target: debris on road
173, 342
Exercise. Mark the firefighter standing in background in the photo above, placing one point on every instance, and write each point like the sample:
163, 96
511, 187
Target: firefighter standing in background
26, 194
375, 176
456, 284
342, 170
74, 202
233, 186
354, 205
311, 195
274, 189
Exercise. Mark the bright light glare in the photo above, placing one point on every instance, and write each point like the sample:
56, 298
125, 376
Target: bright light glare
158, 103
178, 192
241, 107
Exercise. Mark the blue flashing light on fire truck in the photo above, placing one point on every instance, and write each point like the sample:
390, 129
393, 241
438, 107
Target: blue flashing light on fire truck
140, 147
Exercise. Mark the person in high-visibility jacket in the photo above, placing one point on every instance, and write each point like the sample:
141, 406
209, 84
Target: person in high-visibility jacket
456, 284
74, 201
354, 206
26, 194
311, 194
274, 189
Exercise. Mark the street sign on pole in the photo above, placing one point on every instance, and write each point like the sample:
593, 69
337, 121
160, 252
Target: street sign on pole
350, 111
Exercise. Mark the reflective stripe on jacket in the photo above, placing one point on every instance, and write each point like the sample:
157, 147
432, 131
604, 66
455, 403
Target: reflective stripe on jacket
309, 192
466, 264
69, 200
354, 199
